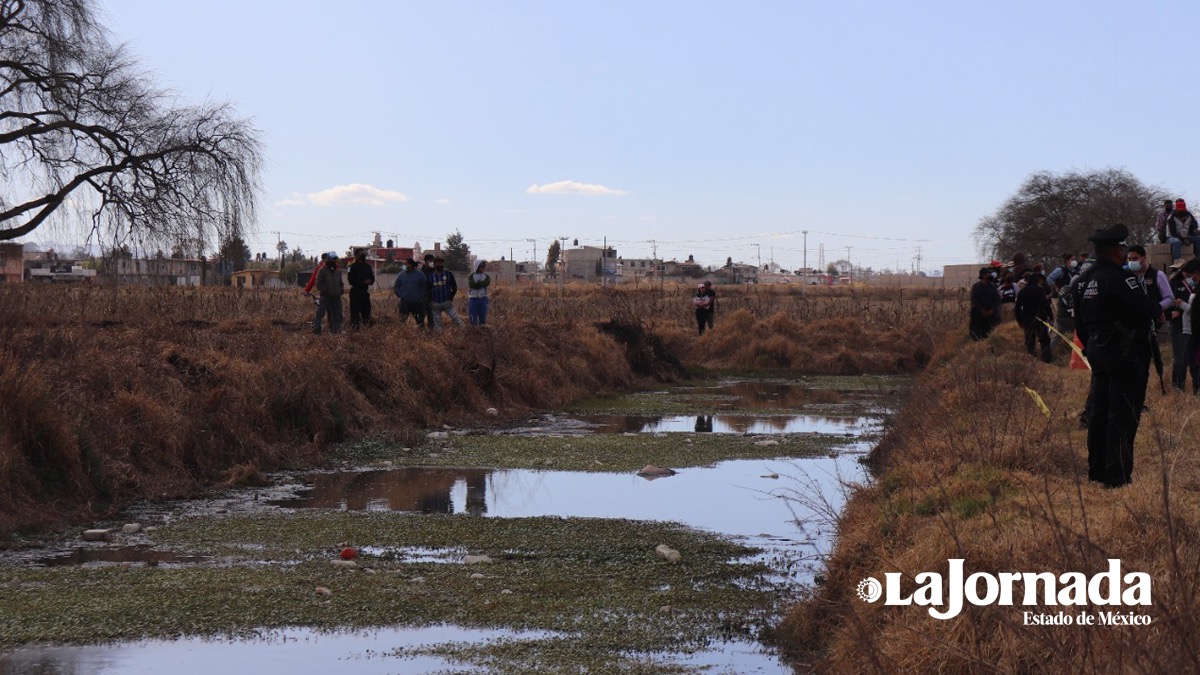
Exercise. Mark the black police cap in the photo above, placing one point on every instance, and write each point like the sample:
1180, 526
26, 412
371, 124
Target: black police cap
1111, 235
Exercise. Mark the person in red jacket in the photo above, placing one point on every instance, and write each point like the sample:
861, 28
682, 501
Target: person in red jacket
313, 279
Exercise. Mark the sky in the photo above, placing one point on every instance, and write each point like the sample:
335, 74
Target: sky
713, 129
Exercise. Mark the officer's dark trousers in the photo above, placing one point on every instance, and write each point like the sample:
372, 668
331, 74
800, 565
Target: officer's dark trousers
360, 307
1118, 392
980, 325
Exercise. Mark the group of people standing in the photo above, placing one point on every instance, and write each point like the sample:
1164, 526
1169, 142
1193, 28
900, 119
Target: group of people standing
1115, 303
426, 292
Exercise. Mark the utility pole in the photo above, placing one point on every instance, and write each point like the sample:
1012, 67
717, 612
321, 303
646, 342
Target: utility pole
849, 264
918, 260
535, 263
805, 252
759, 248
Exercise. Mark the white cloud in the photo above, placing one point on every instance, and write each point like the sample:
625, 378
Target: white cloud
346, 195
570, 187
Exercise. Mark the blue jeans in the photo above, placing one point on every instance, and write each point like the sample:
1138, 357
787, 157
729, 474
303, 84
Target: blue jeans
1177, 246
477, 311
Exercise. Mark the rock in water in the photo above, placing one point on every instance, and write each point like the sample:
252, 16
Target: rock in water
650, 472
667, 553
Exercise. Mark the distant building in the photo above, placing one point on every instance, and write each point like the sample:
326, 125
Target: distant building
61, 272
256, 279
12, 262
502, 271
589, 263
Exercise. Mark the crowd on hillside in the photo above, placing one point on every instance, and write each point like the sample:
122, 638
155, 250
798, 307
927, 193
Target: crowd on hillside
1112, 304
426, 292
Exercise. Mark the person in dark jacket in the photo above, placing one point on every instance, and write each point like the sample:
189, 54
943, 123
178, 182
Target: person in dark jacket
985, 306
412, 287
1182, 228
361, 278
442, 289
1182, 294
1033, 315
1114, 315
330, 288
705, 302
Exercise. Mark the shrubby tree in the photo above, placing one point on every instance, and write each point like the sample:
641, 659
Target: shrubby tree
1054, 213
552, 255
80, 124
458, 254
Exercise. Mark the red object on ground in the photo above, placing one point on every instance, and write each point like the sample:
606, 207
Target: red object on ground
348, 553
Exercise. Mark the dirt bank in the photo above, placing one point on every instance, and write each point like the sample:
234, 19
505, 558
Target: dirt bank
973, 468
107, 396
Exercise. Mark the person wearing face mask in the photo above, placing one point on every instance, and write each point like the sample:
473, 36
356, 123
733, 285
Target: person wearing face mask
1180, 330
1059, 284
411, 287
1115, 314
985, 305
1158, 288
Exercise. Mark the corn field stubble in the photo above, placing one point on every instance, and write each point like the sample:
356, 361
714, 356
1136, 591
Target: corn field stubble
110, 394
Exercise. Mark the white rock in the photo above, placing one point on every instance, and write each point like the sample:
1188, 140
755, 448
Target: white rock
437, 435
417, 580
766, 444
477, 575
492, 411
97, 535
506, 592
473, 559
349, 564
368, 570
131, 528
667, 553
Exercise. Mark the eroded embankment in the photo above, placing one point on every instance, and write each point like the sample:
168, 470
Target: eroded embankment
973, 468
150, 404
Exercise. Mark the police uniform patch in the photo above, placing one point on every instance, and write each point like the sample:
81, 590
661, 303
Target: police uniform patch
1132, 283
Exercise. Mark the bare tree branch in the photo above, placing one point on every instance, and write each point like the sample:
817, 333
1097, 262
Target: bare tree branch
80, 123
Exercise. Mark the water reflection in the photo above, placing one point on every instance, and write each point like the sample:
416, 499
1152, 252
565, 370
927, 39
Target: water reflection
732, 424
283, 651
421, 490
119, 555
762, 502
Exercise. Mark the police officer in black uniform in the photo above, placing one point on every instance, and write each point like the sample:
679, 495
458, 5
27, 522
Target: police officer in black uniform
1114, 315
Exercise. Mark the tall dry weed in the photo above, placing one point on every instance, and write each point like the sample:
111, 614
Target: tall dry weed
971, 468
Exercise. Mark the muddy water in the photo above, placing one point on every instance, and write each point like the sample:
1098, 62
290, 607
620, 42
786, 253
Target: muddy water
783, 506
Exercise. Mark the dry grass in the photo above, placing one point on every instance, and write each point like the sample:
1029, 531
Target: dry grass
972, 469
112, 394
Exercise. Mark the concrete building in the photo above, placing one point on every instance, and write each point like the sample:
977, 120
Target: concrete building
589, 263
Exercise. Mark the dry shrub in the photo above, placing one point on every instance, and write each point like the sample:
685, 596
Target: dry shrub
971, 468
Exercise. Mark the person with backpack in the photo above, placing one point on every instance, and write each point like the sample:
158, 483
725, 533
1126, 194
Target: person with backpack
705, 302
1059, 283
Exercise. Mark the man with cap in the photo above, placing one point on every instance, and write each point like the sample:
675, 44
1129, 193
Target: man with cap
1113, 315
330, 288
1181, 227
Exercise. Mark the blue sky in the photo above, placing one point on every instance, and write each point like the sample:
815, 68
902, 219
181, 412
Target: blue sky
704, 127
